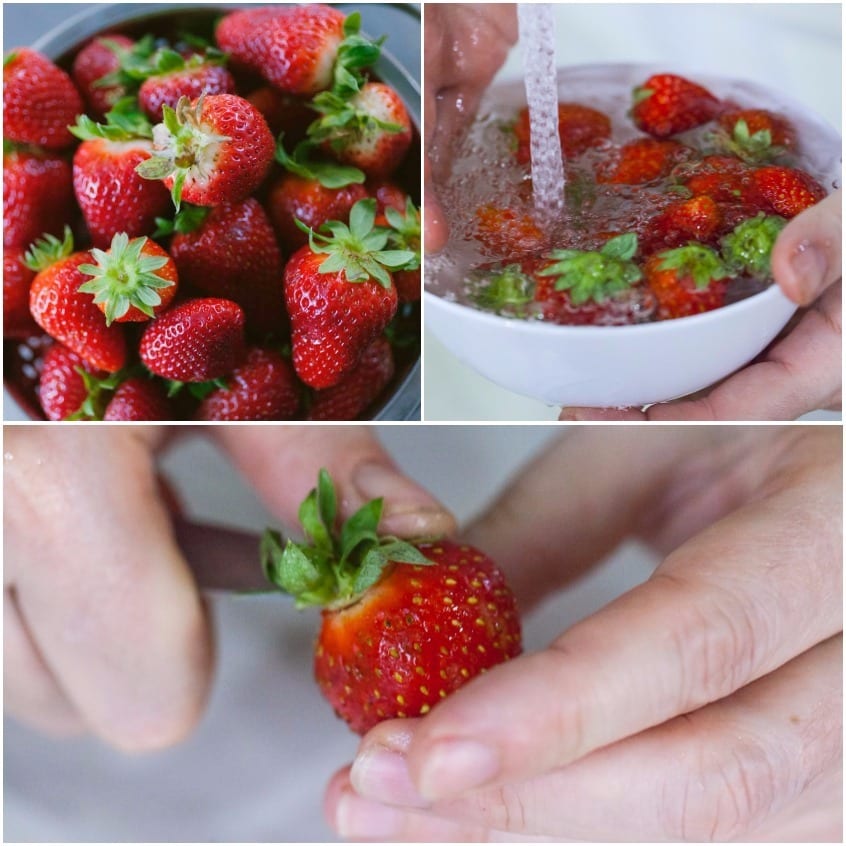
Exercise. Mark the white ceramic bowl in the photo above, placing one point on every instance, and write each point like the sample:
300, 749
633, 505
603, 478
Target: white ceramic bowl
618, 366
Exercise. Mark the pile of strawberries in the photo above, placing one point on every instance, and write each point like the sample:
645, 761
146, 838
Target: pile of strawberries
678, 221
213, 231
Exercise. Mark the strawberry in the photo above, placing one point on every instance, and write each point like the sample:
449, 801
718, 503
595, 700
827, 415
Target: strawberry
403, 624
687, 280
754, 135
132, 281
387, 194
642, 160
359, 388
787, 191
66, 314
284, 113
232, 253
404, 234
37, 196
292, 47
580, 127
697, 218
724, 179
17, 279
210, 150
138, 399
667, 104
340, 295
264, 387
177, 77
292, 198
40, 100
99, 58
503, 231
370, 130
747, 248
62, 389
195, 341
111, 194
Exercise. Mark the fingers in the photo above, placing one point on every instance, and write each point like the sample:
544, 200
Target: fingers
806, 258
282, 463
719, 773
730, 605
102, 590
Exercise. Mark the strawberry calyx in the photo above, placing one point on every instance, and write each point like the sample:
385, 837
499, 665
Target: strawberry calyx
404, 229
595, 274
198, 390
125, 122
697, 262
507, 290
100, 391
123, 277
189, 218
302, 163
358, 249
343, 122
334, 567
133, 63
182, 142
48, 250
355, 53
750, 147
748, 247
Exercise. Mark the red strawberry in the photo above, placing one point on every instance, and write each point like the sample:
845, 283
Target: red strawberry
755, 135
62, 389
17, 279
698, 218
403, 625
183, 79
132, 281
370, 130
505, 232
642, 160
359, 388
66, 314
579, 127
138, 399
37, 196
787, 191
264, 387
687, 280
196, 341
233, 254
340, 296
284, 113
209, 151
404, 225
40, 100
387, 194
292, 47
100, 57
667, 104
294, 197
110, 192
722, 178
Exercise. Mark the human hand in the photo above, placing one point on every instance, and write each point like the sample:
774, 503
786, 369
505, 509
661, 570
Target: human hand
105, 629
705, 704
801, 370
465, 45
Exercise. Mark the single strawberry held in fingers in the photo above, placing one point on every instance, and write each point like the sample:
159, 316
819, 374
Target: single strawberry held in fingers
404, 624
40, 100
667, 104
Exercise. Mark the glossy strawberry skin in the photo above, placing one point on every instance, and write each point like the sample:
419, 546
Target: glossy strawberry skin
292, 47
678, 296
723, 178
94, 61
419, 634
234, 255
195, 341
72, 318
61, 389
643, 160
579, 128
786, 190
264, 387
667, 104
333, 321
294, 197
112, 196
166, 89
507, 233
359, 388
138, 399
40, 101
283, 112
782, 133
17, 279
695, 219
37, 196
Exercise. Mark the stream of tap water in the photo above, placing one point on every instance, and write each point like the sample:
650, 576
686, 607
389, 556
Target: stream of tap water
537, 37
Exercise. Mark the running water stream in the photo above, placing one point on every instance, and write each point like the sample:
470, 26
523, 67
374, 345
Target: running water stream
537, 37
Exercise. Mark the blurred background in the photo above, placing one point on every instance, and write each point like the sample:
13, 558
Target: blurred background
792, 47
256, 768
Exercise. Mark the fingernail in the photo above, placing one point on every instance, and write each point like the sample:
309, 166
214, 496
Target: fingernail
357, 818
454, 766
379, 773
810, 267
409, 510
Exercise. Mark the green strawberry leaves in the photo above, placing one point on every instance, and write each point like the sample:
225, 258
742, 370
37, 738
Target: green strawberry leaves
125, 122
355, 54
328, 173
48, 250
333, 567
747, 248
697, 262
188, 219
506, 291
